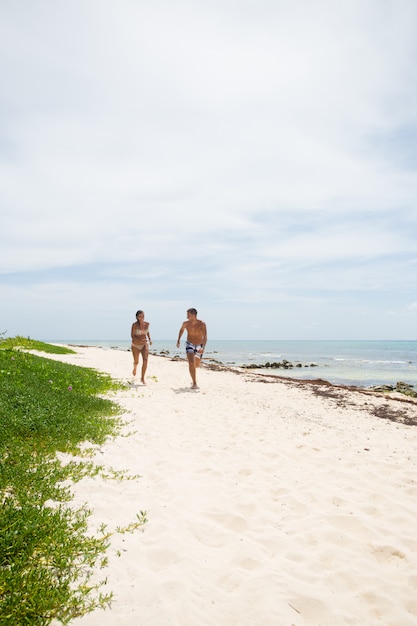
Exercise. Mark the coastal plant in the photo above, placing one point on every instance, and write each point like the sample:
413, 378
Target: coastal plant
53, 403
47, 558
32, 344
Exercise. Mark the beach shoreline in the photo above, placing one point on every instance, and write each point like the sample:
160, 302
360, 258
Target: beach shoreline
210, 363
268, 504
358, 363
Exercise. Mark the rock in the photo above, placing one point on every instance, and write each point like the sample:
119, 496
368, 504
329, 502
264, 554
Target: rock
381, 388
400, 387
284, 364
406, 389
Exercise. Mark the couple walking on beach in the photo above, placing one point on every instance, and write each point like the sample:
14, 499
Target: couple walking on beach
194, 344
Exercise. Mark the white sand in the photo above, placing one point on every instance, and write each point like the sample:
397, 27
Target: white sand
268, 505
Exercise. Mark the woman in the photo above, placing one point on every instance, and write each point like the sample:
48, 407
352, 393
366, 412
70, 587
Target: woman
140, 337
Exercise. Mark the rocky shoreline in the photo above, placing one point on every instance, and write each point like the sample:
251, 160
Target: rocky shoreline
399, 387
284, 364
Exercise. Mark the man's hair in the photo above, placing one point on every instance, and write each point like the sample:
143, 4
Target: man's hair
193, 311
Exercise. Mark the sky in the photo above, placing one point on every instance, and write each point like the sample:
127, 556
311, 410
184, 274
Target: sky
254, 159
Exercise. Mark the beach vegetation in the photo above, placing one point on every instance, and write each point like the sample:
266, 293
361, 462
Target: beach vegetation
26, 343
47, 557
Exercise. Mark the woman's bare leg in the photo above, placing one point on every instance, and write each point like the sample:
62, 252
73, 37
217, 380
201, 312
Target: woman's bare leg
144, 366
145, 354
135, 353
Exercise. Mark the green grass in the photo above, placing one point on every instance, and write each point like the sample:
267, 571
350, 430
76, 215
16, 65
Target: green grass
46, 556
32, 344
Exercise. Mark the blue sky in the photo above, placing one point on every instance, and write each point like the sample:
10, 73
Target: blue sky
255, 159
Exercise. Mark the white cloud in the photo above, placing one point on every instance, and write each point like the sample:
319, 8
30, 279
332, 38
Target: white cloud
248, 151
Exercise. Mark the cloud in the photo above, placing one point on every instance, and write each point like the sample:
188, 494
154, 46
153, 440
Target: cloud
244, 152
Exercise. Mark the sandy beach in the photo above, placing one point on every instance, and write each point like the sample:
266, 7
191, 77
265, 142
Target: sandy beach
270, 502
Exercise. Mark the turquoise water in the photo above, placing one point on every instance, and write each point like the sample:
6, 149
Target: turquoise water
362, 363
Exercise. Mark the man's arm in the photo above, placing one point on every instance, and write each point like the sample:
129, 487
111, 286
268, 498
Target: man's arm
204, 335
183, 327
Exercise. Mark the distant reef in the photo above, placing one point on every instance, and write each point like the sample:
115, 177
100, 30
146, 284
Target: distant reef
283, 365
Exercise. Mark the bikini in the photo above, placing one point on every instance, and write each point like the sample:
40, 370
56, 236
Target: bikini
138, 332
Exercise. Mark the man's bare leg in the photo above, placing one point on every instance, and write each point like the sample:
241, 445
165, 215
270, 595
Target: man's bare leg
191, 367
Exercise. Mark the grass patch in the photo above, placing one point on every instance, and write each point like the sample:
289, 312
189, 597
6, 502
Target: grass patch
32, 344
46, 556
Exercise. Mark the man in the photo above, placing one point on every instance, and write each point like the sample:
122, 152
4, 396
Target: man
195, 342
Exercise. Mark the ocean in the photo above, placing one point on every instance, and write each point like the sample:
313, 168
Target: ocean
360, 363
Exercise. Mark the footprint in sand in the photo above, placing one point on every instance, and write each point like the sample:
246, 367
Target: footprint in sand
235, 523
388, 554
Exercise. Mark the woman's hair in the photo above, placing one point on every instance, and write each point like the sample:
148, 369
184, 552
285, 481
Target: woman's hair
192, 311
138, 312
